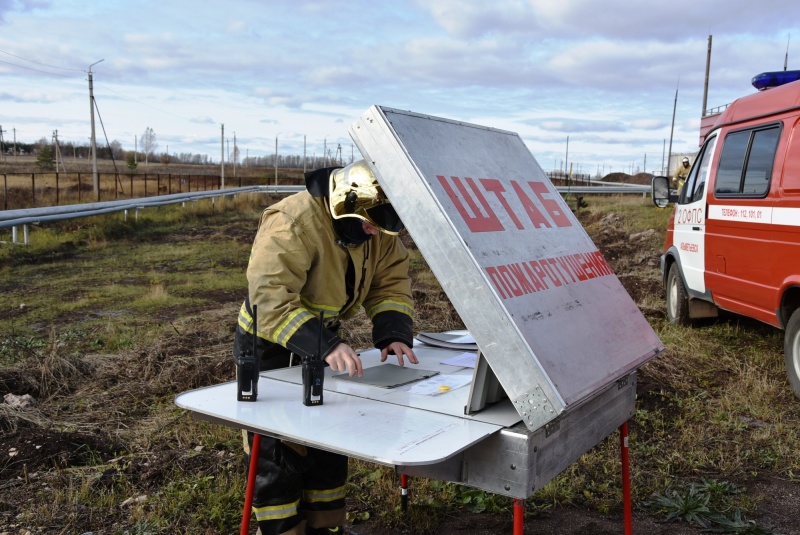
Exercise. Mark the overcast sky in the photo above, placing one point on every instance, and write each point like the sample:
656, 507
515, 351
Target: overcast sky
601, 74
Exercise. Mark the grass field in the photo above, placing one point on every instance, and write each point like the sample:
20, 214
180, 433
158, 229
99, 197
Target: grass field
104, 321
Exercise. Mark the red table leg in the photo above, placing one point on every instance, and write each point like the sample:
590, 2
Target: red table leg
251, 483
519, 514
403, 492
626, 479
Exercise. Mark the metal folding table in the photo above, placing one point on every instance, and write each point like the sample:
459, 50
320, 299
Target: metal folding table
560, 339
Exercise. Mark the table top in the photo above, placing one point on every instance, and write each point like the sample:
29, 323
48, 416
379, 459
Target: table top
393, 426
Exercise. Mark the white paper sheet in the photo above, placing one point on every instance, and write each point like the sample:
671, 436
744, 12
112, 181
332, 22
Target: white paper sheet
464, 360
440, 384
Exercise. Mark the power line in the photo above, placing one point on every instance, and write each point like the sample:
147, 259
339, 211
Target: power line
37, 70
42, 64
142, 103
80, 70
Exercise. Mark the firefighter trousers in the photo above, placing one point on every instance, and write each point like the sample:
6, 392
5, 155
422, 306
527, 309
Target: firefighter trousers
296, 487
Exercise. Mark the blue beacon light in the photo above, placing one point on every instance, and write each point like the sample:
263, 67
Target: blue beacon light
768, 80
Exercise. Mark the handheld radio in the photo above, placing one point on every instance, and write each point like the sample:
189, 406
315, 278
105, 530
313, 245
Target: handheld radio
314, 372
247, 367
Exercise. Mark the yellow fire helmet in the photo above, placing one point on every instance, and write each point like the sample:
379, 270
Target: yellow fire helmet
355, 192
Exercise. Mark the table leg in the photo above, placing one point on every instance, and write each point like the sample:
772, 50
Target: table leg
251, 483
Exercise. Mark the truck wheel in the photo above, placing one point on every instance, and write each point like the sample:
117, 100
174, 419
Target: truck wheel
791, 349
677, 300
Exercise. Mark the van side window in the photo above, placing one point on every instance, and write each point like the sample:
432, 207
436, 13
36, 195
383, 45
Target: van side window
745, 165
731, 162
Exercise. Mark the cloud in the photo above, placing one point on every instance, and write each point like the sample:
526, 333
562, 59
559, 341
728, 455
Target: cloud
577, 125
21, 6
338, 75
676, 20
236, 26
601, 72
278, 98
650, 124
28, 98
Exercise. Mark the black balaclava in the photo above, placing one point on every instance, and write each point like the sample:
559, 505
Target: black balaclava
350, 231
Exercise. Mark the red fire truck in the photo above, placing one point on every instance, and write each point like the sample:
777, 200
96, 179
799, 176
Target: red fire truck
733, 240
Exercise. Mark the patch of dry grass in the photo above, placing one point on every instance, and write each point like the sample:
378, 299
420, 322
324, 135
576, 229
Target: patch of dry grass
716, 404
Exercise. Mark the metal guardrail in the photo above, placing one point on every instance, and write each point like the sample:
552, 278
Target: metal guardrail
26, 216
608, 189
29, 216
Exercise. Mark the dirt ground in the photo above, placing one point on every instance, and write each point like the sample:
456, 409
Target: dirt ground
32, 457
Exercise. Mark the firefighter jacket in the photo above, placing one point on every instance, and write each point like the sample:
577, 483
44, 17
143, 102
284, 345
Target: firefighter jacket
681, 173
298, 275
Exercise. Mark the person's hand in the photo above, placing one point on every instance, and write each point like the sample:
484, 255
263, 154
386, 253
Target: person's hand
399, 349
342, 358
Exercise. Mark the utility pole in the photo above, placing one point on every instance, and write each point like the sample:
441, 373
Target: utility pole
705, 86
95, 178
234, 154
135, 149
672, 128
15, 143
304, 154
276, 160
222, 157
55, 147
786, 57
2, 148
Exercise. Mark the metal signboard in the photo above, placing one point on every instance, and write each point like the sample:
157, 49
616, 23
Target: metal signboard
548, 313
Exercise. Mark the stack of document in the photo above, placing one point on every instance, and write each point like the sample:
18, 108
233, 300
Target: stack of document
451, 339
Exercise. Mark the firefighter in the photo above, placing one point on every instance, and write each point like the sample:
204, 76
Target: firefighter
330, 249
679, 178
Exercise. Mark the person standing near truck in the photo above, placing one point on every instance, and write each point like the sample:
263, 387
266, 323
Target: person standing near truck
318, 257
679, 178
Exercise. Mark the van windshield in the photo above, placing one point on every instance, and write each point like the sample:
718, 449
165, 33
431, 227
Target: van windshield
695, 184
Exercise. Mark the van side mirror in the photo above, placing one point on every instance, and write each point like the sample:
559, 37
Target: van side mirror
661, 193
